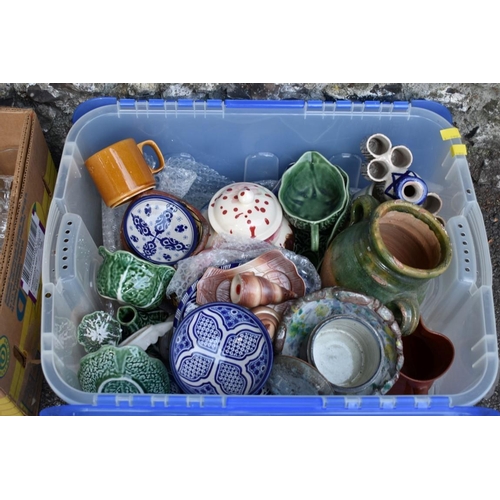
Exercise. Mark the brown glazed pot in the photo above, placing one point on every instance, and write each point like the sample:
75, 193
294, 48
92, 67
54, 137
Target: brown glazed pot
390, 251
428, 355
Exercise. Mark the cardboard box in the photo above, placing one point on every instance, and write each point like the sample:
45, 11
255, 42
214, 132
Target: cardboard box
25, 155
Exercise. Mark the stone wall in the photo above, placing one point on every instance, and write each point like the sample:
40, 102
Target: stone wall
475, 107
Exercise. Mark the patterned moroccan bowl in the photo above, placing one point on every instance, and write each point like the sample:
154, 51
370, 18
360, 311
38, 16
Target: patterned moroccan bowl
163, 229
221, 348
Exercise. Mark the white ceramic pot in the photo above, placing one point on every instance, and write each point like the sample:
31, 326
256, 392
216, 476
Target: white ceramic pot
249, 210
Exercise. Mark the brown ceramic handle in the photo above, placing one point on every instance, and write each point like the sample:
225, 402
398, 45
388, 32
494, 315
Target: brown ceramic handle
362, 208
156, 150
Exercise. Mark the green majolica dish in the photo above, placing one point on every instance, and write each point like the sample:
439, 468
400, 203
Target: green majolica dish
131, 280
131, 319
123, 370
97, 329
314, 195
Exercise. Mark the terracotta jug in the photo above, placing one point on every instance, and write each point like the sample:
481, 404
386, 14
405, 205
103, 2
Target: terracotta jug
389, 251
428, 355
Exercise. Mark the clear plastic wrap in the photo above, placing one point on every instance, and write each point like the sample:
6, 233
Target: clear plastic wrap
228, 248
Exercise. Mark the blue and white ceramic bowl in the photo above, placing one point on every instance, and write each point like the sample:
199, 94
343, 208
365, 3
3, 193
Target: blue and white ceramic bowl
221, 348
159, 229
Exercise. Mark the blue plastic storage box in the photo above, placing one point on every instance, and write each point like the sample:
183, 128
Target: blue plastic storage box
245, 140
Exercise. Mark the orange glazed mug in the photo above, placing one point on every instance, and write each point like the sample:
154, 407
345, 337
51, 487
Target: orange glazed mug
120, 171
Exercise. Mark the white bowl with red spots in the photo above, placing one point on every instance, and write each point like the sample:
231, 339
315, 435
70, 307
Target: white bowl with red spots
250, 210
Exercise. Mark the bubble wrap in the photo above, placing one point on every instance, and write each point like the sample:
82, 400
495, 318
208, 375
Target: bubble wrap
111, 223
228, 248
208, 181
176, 181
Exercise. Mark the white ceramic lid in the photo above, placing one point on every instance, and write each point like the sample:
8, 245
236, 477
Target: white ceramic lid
245, 209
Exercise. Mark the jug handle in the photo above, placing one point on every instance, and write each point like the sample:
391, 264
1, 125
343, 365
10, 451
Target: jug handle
362, 208
407, 315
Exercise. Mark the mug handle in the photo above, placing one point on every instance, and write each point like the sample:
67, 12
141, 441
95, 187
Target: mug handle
314, 237
156, 150
407, 315
362, 208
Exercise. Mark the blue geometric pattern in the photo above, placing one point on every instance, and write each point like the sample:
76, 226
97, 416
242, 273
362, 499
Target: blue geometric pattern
259, 367
182, 343
205, 389
241, 345
240, 348
230, 378
160, 230
206, 332
196, 367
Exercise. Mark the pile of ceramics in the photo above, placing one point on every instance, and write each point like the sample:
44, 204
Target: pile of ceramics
299, 290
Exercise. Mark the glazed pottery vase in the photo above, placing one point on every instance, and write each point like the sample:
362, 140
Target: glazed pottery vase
123, 370
131, 281
132, 319
390, 251
97, 329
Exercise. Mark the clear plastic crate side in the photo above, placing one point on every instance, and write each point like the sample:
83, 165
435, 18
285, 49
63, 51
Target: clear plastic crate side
60, 354
65, 302
482, 257
49, 245
453, 289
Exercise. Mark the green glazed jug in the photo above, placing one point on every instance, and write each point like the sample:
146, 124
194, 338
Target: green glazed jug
131, 280
314, 194
389, 251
